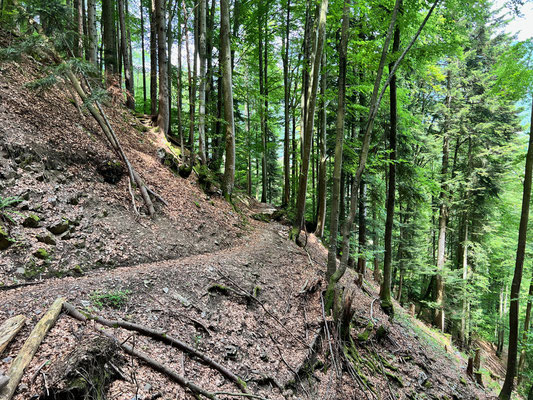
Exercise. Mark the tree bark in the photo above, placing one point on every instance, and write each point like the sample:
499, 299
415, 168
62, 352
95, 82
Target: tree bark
443, 214
339, 143
153, 61
517, 278
202, 79
385, 290
322, 188
143, 56
29, 348
527, 325
163, 114
109, 41
92, 33
262, 112
361, 261
287, 93
316, 60
128, 75
225, 53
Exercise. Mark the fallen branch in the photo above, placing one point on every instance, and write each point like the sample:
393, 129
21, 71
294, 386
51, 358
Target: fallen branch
161, 368
9, 329
160, 336
29, 348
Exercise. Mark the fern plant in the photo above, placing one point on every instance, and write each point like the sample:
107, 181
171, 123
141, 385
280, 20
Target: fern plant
6, 208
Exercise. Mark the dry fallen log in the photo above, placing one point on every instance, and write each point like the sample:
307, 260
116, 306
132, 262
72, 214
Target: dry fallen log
3, 381
158, 335
29, 348
161, 368
9, 329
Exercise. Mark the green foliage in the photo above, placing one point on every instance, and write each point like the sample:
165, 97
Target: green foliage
7, 205
113, 298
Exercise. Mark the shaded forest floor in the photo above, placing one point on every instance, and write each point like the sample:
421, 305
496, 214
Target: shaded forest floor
185, 272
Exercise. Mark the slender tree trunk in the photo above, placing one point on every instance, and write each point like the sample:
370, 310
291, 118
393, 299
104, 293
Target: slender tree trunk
180, 87
143, 56
336, 191
78, 9
262, 112
265, 110
322, 189
316, 60
443, 215
287, 90
170, 41
153, 61
385, 291
517, 278
225, 52
163, 115
92, 33
201, 96
527, 325
109, 41
128, 75
361, 261
249, 145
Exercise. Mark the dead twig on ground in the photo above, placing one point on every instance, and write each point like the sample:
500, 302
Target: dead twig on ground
161, 336
249, 296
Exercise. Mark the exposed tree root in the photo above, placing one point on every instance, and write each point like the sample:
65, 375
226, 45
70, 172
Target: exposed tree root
162, 368
162, 337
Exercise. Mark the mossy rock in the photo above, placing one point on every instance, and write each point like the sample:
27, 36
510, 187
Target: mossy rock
60, 227
77, 270
31, 221
41, 254
363, 336
5, 240
46, 239
261, 217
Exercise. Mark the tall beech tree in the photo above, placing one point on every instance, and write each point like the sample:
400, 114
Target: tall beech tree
316, 61
227, 84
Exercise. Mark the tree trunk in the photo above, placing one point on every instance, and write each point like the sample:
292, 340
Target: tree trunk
201, 96
265, 110
128, 76
179, 88
262, 114
92, 33
527, 325
287, 94
163, 114
361, 261
336, 197
143, 57
153, 61
109, 41
316, 60
517, 278
225, 53
322, 189
78, 10
385, 290
443, 214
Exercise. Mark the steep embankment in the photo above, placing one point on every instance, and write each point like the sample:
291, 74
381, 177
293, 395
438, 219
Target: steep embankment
233, 288
52, 158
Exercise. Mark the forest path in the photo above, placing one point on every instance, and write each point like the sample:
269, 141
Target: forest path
174, 295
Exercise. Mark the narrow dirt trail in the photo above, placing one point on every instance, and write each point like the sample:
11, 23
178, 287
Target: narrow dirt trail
173, 295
